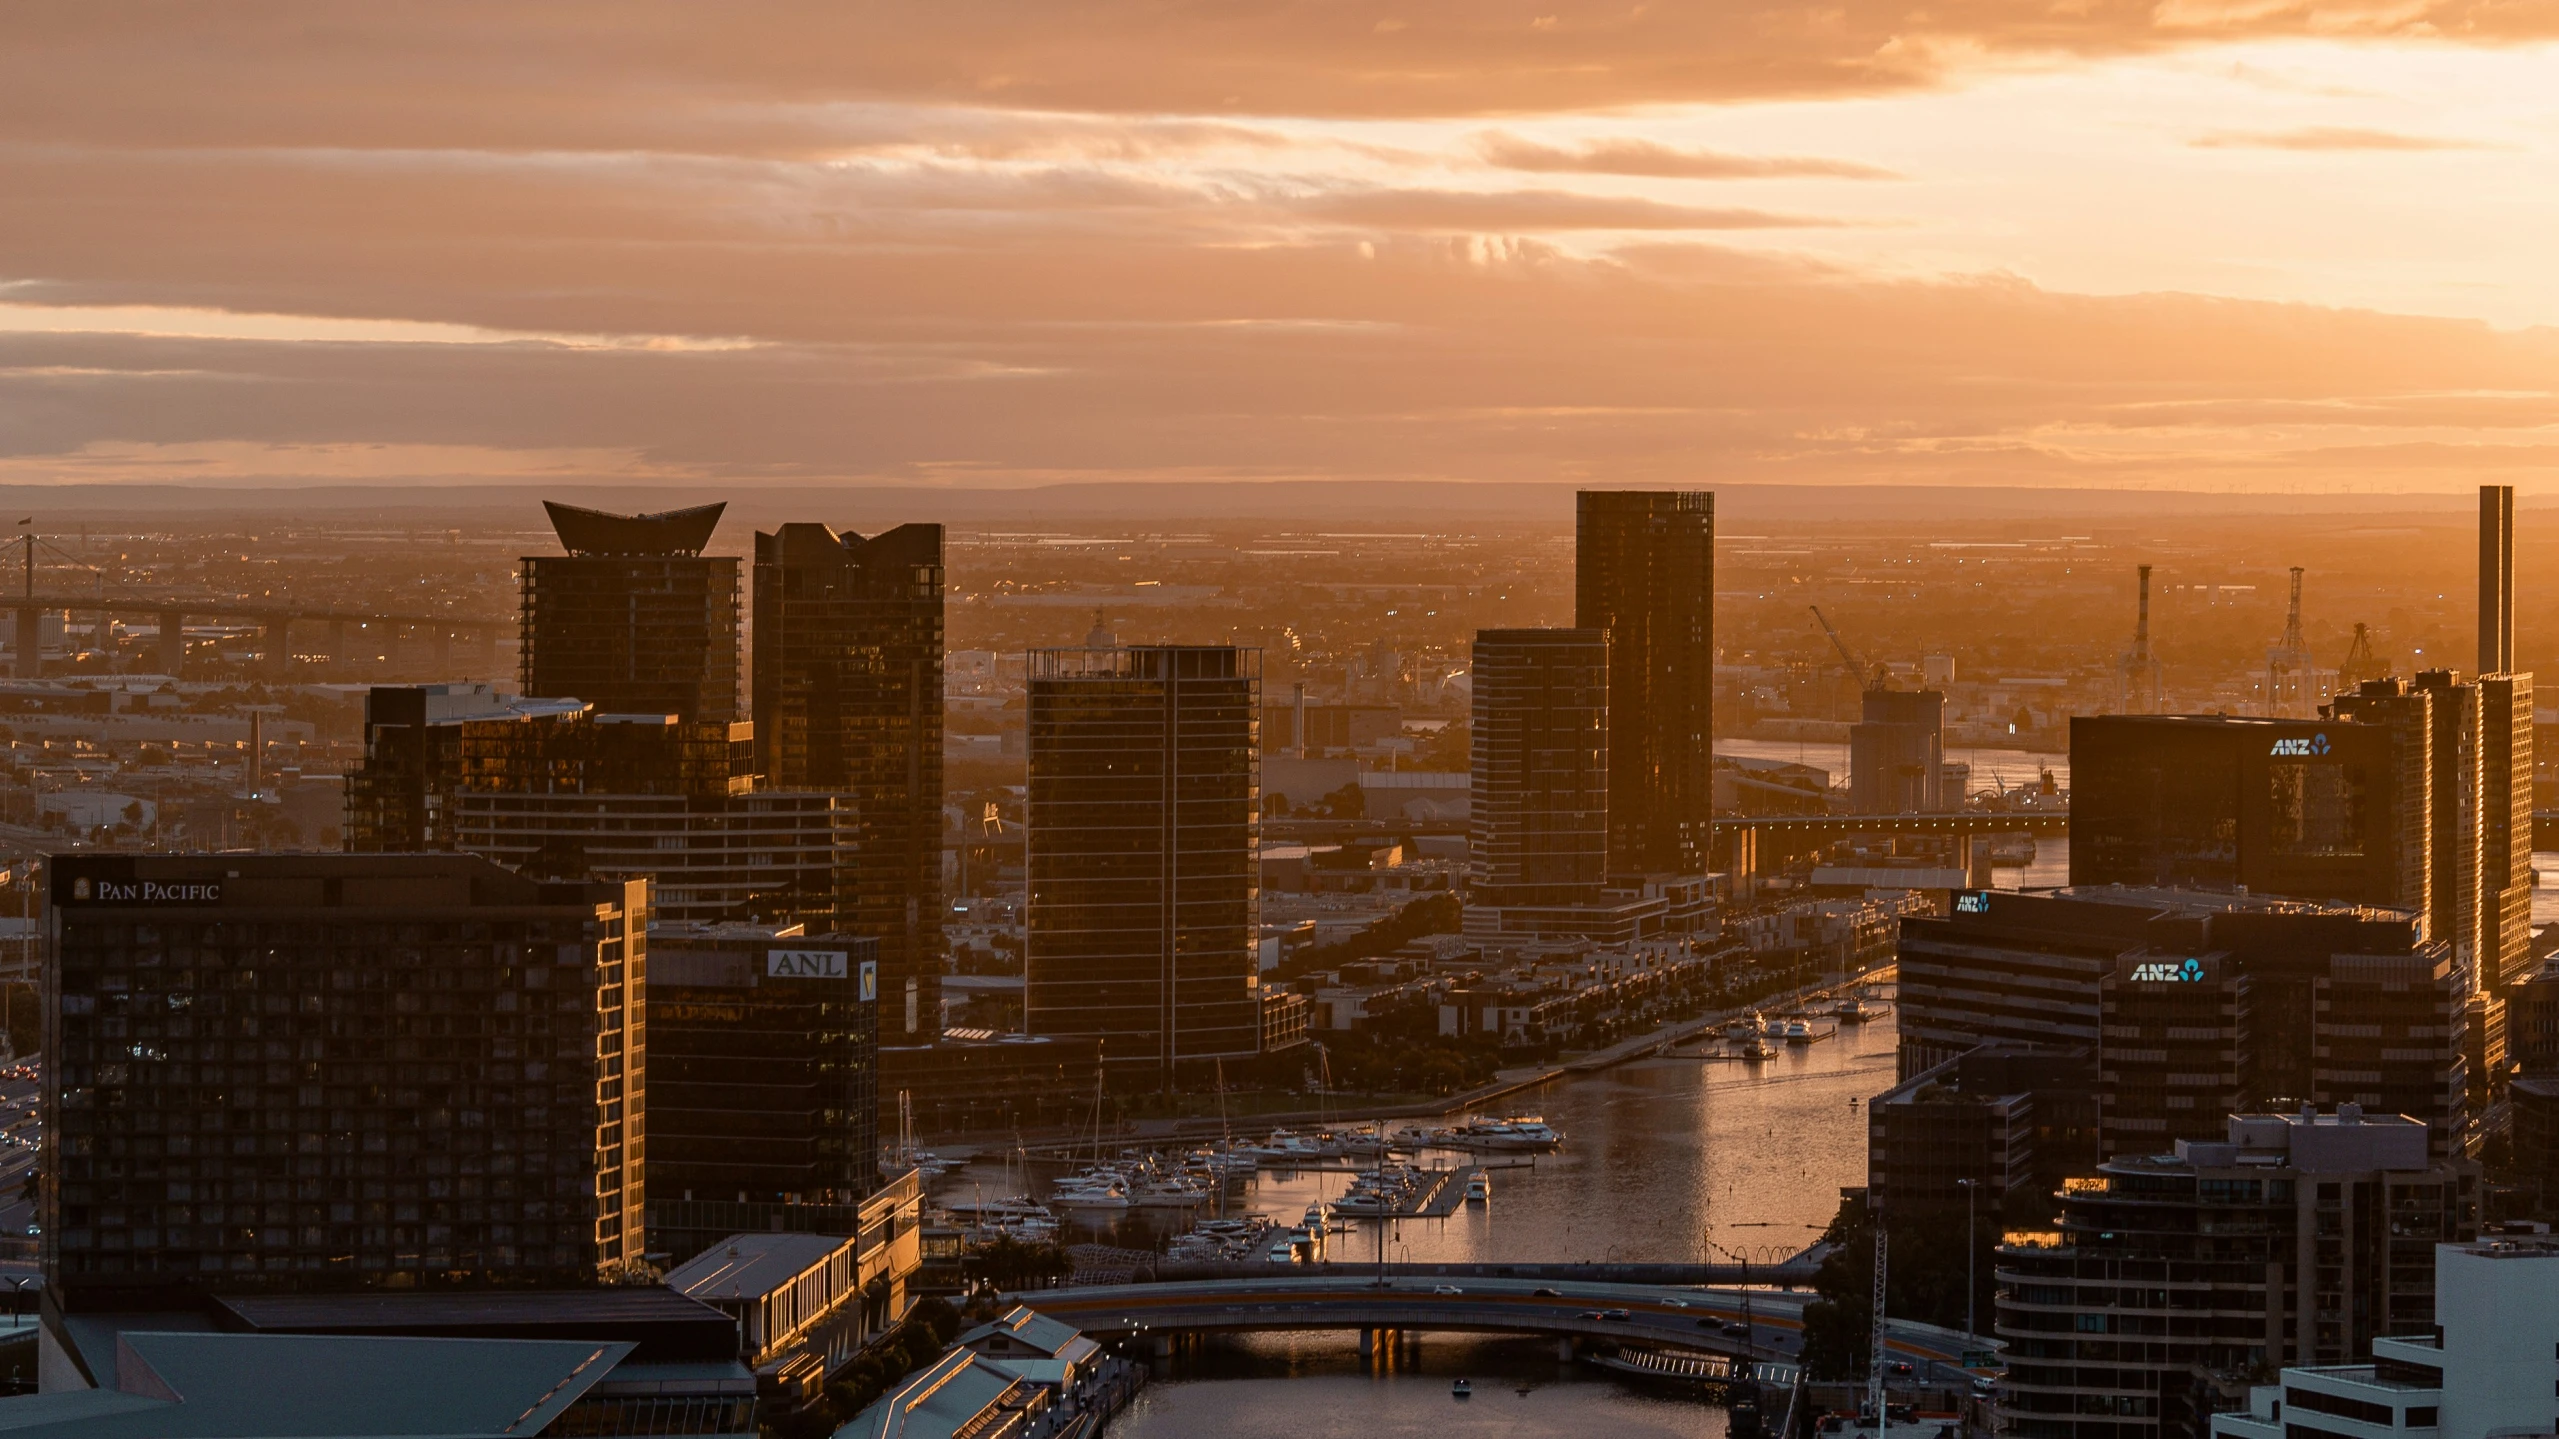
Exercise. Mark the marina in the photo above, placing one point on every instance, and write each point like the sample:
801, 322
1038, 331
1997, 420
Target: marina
1664, 1157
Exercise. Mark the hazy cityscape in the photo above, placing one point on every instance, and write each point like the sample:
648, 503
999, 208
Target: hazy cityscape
1275, 958
1392, 721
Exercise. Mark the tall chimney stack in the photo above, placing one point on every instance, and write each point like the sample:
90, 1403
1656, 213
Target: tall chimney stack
2496, 579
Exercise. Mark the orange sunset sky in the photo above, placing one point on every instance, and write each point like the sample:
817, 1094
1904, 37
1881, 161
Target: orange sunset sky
2222, 244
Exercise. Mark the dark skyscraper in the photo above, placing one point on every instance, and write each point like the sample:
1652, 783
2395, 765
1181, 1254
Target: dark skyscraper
1644, 571
1539, 834
848, 698
763, 1074
1145, 899
2314, 810
337, 1072
634, 619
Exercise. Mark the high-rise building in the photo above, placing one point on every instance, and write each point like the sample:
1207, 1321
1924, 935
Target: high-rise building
634, 619
763, 1074
1644, 573
1995, 1120
1145, 815
2487, 1369
2187, 998
848, 699
553, 789
2302, 808
1897, 753
2295, 1238
400, 800
337, 1072
1538, 830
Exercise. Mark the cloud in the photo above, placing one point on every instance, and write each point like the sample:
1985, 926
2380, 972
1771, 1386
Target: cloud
778, 76
1513, 211
2327, 137
1646, 157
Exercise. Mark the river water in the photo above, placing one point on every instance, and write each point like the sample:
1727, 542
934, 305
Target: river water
1664, 1159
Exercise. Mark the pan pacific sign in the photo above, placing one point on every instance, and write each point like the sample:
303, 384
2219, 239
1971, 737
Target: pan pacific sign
102, 890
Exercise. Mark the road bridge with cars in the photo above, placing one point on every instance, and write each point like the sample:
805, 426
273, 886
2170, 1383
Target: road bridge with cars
1707, 1322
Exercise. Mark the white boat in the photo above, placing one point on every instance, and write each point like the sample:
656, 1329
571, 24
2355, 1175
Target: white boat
1855, 1010
1283, 1147
1798, 1032
1097, 1199
1315, 1223
1758, 1049
1479, 1187
1462, 1388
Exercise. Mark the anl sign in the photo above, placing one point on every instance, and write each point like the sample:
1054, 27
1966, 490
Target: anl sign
804, 963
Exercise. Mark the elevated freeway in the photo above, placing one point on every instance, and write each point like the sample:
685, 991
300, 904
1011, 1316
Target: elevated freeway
1842, 826
275, 618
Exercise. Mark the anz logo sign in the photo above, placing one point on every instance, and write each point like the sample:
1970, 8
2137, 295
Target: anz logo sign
2299, 748
2188, 972
1972, 901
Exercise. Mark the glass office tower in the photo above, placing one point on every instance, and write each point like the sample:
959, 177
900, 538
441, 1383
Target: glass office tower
1644, 571
1145, 818
1539, 832
848, 700
634, 619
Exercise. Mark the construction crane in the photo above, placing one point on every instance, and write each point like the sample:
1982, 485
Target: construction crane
1868, 680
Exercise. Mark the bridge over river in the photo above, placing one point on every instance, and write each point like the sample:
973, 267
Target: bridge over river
1706, 1322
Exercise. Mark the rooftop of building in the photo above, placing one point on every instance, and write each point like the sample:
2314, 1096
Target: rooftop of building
171, 1385
668, 532
944, 1399
751, 1266
1029, 1329
2539, 1246
2345, 1140
721, 929
176, 884
668, 1327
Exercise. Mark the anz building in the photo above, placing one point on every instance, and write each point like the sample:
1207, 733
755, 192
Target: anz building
2311, 810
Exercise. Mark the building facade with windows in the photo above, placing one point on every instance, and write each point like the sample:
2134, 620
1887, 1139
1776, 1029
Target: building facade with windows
1143, 923
764, 1072
2173, 1278
848, 700
338, 1072
1644, 575
634, 618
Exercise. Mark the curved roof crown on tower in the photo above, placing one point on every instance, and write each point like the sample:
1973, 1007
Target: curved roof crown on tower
669, 532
